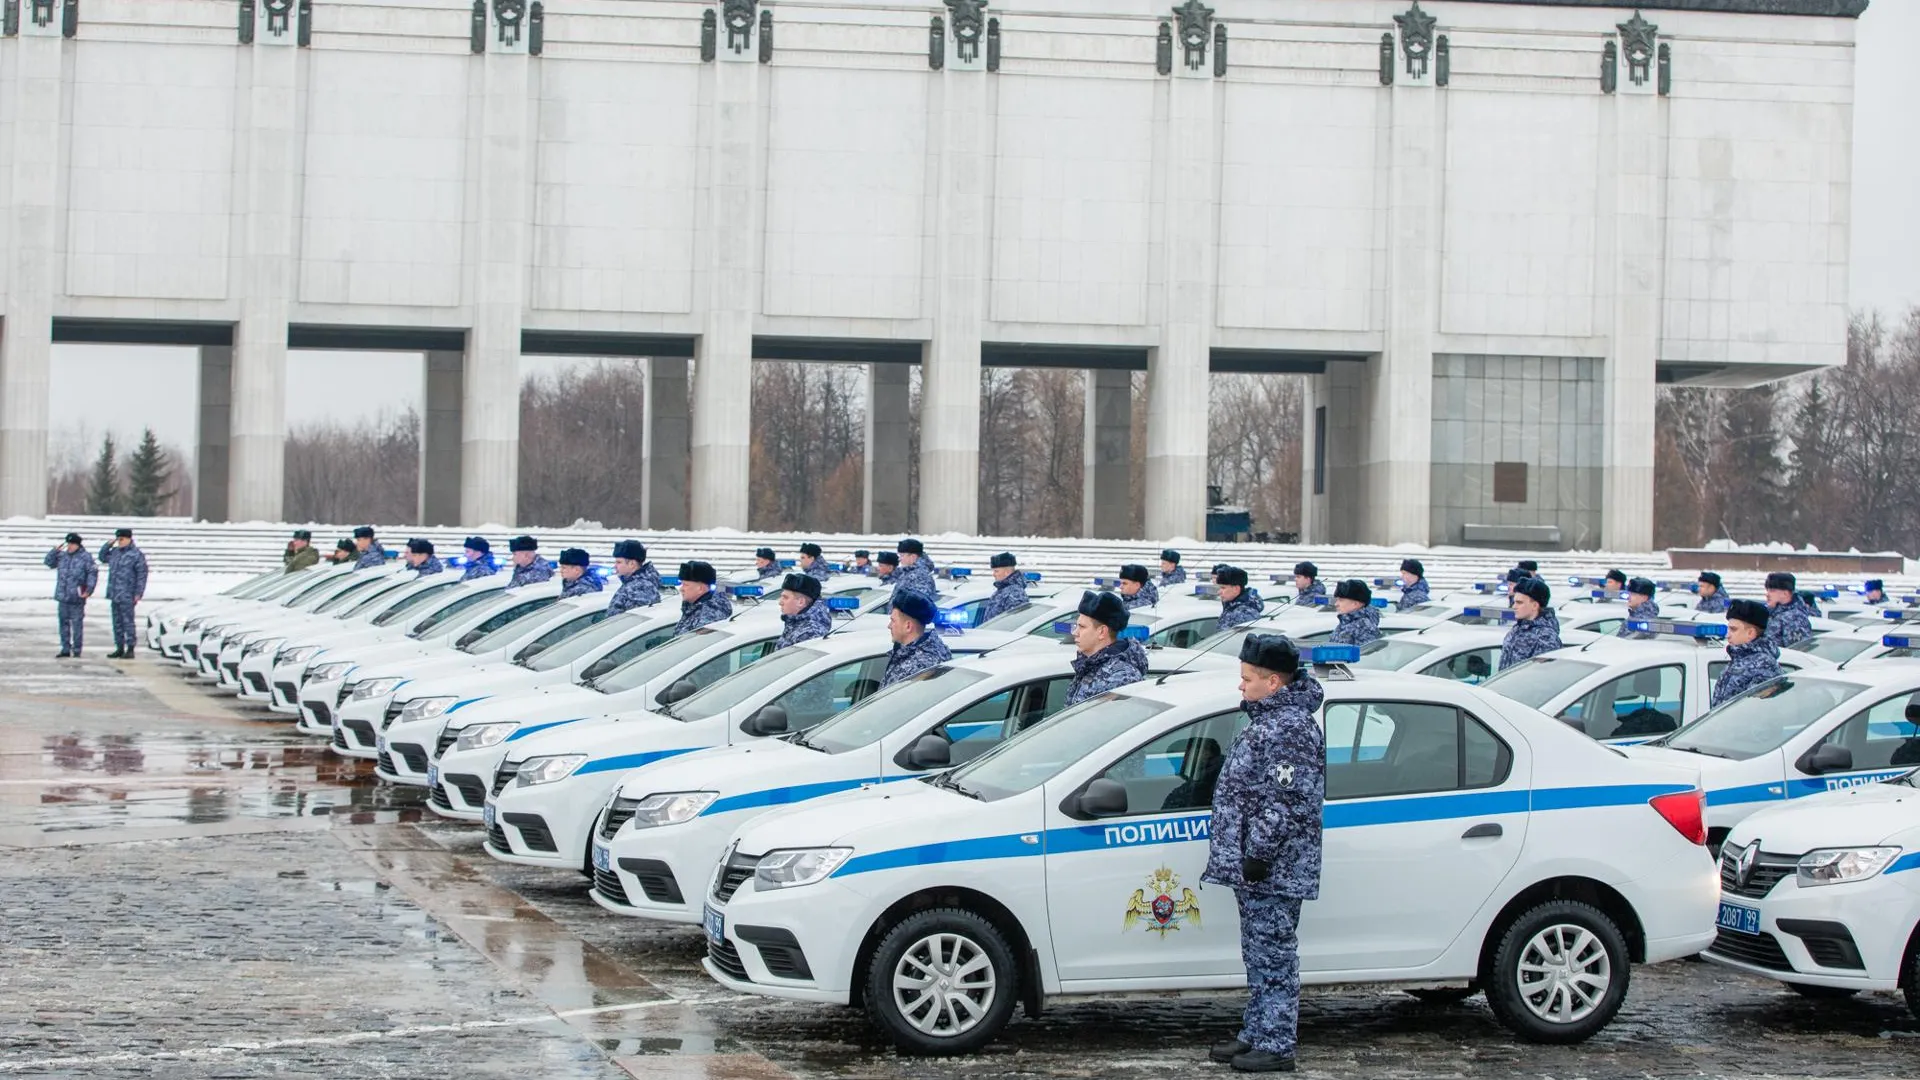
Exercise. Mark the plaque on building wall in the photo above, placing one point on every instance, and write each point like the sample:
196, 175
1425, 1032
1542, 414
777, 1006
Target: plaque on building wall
1416, 39
1196, 29
1509, 481
1636, 40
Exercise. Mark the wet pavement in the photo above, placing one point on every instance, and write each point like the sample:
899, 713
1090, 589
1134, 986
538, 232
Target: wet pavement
191, 889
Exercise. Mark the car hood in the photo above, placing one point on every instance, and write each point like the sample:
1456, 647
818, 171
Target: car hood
752, 772
1852, 817
531, 706
881, 820
602, 736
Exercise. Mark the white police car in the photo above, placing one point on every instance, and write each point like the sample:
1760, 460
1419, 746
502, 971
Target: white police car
1808, 732
166, 623
1469, 841
551, 785
1469, 654
1823, 894
1178, 621
203, 648
657, 842
221, 648
1867, 642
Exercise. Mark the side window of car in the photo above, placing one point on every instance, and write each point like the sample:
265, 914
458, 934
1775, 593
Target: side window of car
1604, 627
830, 692
1178, 770
1185, 635
627, 652
981, 726
560, 633
1473, 667
1644, 703
1043, 699
1381, 748
729, 662
1885, 736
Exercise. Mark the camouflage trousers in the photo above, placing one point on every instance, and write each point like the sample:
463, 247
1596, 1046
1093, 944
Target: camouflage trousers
124, 634
1270, 947
73, 618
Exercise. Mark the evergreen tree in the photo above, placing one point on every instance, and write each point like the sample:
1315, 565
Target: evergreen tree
147, 477
103, 489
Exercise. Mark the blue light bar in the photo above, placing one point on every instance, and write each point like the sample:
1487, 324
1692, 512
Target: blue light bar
1679, 586
1677, 629
956, 572
1828, 593
952, 618
1586, 581
1380, 602
1031, 575
672, 581
746, 592
843, 603
1489, 586
1500, 614
1133, 633
453, 562
787, 564
1313, 601
1063, 628
1107, 582
1896, 616
836, 568
1334, 654
1212, 592
1897, 641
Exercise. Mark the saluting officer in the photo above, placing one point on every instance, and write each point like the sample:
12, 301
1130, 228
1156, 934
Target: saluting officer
1713, 596
1307, 588
126, 586
1265, 843
1751, 658
576, 573
1009, 587
1239, 604
1359, 620
700, 602
1537, 629
344, 551
639, 581
74, 577
811, 562
300, 553
480, 560
421, 559
802, 616
1103, 659
1136, 587
371, 554
1787, 613
1640, 604
916, 647
765, 564
1413, 585
528, 567
1170, 572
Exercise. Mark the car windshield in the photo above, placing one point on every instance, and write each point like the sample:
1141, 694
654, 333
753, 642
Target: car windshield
537, 657
395, 610
1012, 620
1758, 721
503, 635
658, 660
884, 712
743, 684
322, 589
1228, 641
362, 599
1392, 654
1043, 751
431, 624
359, 590
1837, 649
255, 585
1539, 680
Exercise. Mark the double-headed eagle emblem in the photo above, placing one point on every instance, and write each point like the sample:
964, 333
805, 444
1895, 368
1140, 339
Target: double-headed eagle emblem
1156, 908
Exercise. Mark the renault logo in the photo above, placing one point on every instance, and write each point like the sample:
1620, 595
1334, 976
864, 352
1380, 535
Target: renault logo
1744, 863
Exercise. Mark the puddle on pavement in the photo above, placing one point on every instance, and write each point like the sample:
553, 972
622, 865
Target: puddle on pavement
173, 754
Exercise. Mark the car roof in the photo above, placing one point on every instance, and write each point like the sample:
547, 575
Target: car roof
1879, 673
1619, 650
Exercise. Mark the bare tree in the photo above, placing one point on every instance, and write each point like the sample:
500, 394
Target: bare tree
1253, 446
1031, 451
365, 471
583, 444
809, 438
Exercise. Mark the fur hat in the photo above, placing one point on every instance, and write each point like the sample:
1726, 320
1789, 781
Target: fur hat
123, 531
1272, 652
1781, 580
887, 558
700, 573
1531, 566
630, 549
420, 547
1005, 558
910, 546
764, 553
343, 544
805, 584
575, 557
303, 534
479, 544
523, 543
1305, 570
810, 550
1516, 576
1752, 612
1640, 587
1230, 575
1536, 590
914, 606
1708, 577
364, 532
862, 553
1873, 584
1170, 555
1134, 572
1104, 607
1414, 567
1617, 575
73, 538
1353, 589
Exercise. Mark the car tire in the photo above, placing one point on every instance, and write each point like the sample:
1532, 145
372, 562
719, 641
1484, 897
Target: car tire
1821, 993
1549, 1006
921, 948
1911, 975
1444, 995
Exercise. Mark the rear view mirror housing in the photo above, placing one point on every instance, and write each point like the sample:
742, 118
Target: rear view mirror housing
929, 752
1826, 758
770, 720
1103, 798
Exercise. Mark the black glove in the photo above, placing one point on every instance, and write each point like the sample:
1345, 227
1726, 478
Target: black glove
1254, 871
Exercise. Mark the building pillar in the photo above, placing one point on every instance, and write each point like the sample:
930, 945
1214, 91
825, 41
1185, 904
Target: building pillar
26, 334
443, 400
889, 440
950, 375
1634, 215
490, 416
1333, 433
669, 432
1106, 462
733, 210
213, 431
1178, 368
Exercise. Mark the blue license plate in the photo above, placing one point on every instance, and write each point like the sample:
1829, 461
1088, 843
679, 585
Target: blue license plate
433, 776
488, 815
602, 859
716, 924
1739, 918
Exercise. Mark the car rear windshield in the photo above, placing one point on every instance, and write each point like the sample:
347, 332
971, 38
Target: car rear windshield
1043, 751
1837, 649
1539, 680
1392, 654
1758, 722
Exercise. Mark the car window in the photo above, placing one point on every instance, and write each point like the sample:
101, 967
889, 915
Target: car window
831, 692
1826, 647
1010, 618
1392, 654
1641, 703
886, 711
544, 655
742, 684
361, 594
1187, 634
1178, 770
728, 662
1535, 682
439, 618
1381, 748
619, 654
1758, 721
1881, 737
1472, 667
565, 631
505, 630
1043, 751
502, 619
1602, 627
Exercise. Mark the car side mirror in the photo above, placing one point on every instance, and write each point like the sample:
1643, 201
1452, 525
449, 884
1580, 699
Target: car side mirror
1826, 758
679, 691
930, 752
1104, 798
770, 720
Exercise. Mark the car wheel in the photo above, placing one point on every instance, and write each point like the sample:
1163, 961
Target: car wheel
942, 982
1444, 995
1821, 993
1912, 979
1558, 972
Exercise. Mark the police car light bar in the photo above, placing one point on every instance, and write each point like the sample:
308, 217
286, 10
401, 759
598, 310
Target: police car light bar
1828, 593
1212, 592
1133, 633
673, 582
1678, 586
1107, 582
787, 564
1897, 641
1677, 629
1063, 628
1498, 614
1587, 581
836, 568
1380, 601
746, 592
1489, 586
956, 572
1334, 654
843, 603
1312, 601
1031, 575
453, 562
952, 619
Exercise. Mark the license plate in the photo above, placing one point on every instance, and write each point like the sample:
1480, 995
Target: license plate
488, 814
1739, 918
602, 859
716, 924
433, 776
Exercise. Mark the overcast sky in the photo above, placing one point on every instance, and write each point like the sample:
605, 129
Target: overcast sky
120, 388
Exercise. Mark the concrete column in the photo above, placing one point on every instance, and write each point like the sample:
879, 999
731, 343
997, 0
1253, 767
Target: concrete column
213, 433
1397, 392
889, 435
1333, 429
1106, 461
26, 335
1177, 370
490, 418
950, 376
1633, 215
258, 418
664, 484
733, 213
443, 400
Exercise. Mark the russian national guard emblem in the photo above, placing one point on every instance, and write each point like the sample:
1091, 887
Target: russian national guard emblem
1158, 910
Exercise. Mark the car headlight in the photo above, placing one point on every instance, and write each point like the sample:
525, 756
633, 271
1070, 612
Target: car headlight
671, 808
259, 645
298, 655
545, 770
426, 708
190, 624
328, 672
483, 735
803, 866
373, 688
1830, 866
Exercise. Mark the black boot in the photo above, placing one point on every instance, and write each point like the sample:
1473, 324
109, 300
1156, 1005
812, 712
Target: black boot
63, 655
116, 654
1261, 1061
1224, 1052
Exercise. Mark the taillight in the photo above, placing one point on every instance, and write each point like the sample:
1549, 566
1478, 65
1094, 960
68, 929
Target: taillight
1686, 811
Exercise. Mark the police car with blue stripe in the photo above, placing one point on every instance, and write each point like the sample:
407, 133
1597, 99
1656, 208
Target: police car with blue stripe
1470, 842
219, 643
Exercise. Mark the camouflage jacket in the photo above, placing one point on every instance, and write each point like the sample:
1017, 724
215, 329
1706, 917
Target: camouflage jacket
638, 589
126, 571
74, 571
533, 573
300, 560
1713, 605
484, 566
1116, 665
917, 578
1748, 666
1241, 609
588, 582
818, 571
1007, 596
433, 565
1639, 613
374, 556
1357, 627
712, 608
1148, 596
1315, 593
1787, 624
1412, 596
813, 622
920, 654
1178, 577
1529, 638
762, 573
1267, 802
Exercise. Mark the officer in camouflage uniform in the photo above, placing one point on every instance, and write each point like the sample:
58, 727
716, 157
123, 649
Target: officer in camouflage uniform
812, 563
421, 559
1613, 587
370, 553
700, 602
1170, 571
802, 616
1265, 843
1239, 604
1640, 604
528, 567
886, 568
1359, 620
576, 573
300, 553
916, 571
1537, 629
862, 563
639, 581
1137, 589
480, 560
1751, 658
1875, 592
765, 564
1413, 585
343, 552
1713, 596
916, 647
74, 578
1104, 659
1787, 613
1009, 587
126, 586
1307, 588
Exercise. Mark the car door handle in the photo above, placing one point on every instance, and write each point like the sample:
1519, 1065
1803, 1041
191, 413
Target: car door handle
1486, 830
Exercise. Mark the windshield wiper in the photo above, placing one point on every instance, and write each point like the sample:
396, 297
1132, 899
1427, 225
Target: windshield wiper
799, 738
946, 780
1693, 750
